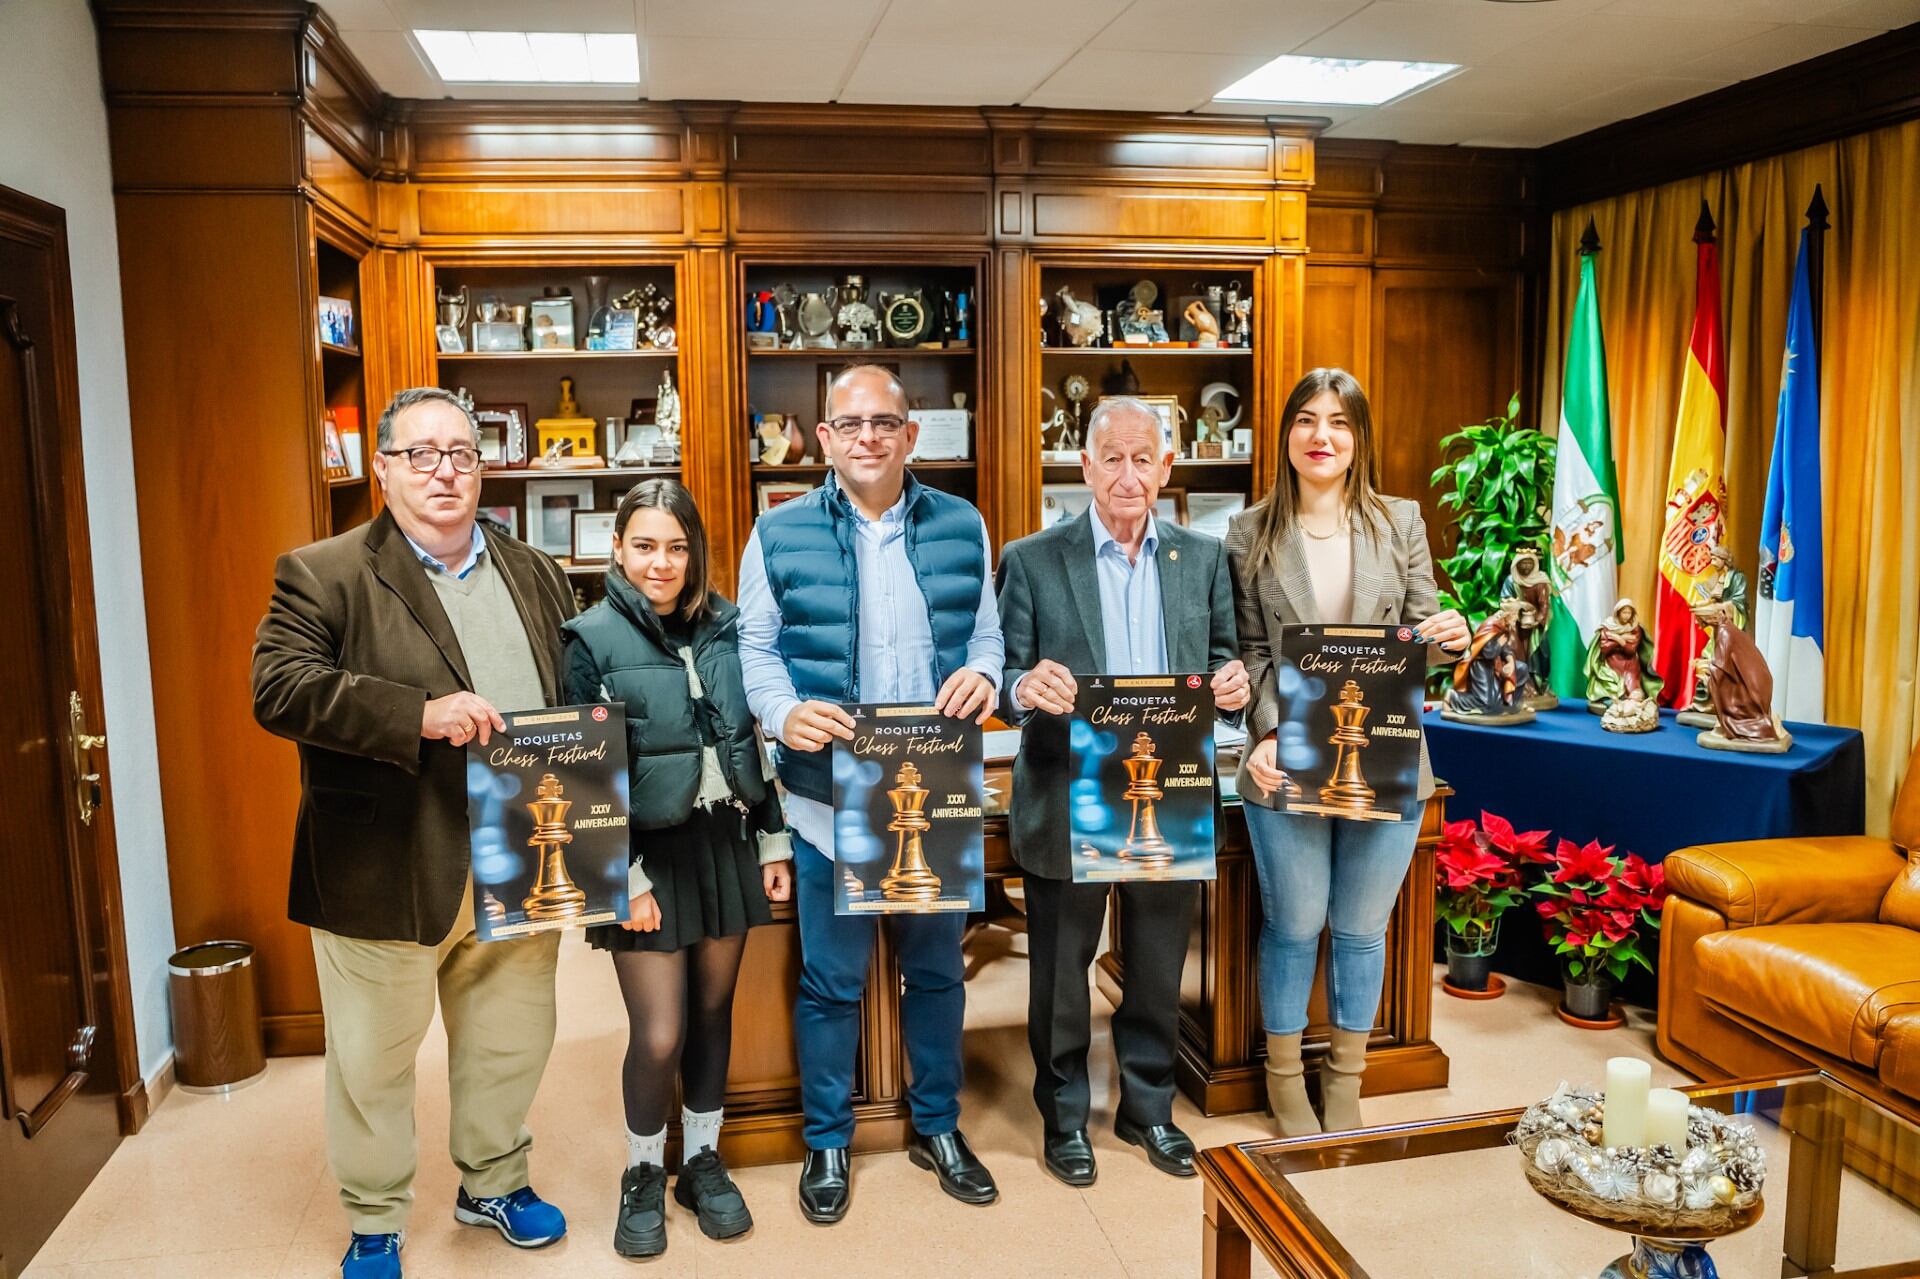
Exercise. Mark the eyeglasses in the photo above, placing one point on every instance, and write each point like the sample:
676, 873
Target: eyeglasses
848, 428
426, 459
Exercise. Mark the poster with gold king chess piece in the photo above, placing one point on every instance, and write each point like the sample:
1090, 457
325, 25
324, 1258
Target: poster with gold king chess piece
908, 837
1349, 732
1141, 799
547, 810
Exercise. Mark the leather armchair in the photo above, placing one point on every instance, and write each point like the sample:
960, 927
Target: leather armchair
1776, 954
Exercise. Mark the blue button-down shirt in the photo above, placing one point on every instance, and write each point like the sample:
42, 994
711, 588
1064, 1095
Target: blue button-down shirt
474, 550
896, 661
1130, 613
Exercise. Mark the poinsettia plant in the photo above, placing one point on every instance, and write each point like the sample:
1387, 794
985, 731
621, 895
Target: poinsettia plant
1478, 871
1597, 906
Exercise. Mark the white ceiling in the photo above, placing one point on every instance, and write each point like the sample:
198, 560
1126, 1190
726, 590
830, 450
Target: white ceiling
1532, 73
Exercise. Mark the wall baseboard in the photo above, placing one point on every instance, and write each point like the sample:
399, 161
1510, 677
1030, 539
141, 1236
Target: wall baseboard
138, 1103
295, 1034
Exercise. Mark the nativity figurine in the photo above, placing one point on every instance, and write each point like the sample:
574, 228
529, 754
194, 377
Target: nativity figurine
1490, 683
1740, 686
1529, 584
1619, 665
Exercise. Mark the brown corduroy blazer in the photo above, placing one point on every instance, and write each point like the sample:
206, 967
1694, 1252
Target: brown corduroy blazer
353, 646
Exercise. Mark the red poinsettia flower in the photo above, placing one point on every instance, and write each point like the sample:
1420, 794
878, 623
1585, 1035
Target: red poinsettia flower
1621, 895
1470, 867
1650, 878
1589, 861
1525, 846
1617, 925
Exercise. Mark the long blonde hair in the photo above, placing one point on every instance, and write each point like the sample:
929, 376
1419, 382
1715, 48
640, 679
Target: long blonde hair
1364, 507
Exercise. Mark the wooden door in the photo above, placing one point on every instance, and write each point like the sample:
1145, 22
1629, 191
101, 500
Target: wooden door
65, 1028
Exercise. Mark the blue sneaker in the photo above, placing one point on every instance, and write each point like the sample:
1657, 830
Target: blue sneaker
523, 1218
372, 1257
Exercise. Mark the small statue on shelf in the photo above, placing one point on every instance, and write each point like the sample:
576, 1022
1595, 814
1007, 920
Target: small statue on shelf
1080, 322
667, 417
1741, 687
1527, 583
1489, 684
1239, 317
1722, 582
1619, 665
1204, 325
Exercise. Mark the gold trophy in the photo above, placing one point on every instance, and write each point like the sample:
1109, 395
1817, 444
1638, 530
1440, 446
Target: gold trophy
1346, 787
911, 879
554, 895
1144, 846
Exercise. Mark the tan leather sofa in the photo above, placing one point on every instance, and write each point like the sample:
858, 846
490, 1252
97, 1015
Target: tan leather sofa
1780, 953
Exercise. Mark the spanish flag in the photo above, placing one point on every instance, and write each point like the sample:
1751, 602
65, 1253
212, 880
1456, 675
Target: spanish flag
1696, 518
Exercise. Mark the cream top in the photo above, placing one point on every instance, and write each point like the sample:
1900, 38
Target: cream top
1330, 565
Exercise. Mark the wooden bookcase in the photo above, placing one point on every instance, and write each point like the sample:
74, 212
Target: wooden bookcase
338, 258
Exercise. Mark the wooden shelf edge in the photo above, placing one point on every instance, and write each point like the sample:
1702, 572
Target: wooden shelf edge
1206, 352
544, 473
558, 355
331, 348
877, 352
762, 470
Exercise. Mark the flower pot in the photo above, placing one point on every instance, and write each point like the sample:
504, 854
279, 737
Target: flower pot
1588, 997
1470, 957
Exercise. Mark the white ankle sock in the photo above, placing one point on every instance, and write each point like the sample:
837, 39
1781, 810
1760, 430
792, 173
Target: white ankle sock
651, 1149
700, 1129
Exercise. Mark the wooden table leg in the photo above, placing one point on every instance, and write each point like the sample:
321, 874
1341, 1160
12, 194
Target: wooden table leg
1224, 1252
1814, 1170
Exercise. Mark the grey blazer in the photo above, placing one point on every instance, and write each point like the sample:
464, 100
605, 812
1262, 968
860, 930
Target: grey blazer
1392, 583
1050, 608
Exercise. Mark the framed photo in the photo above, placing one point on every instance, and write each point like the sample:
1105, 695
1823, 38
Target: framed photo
336, 321
550, 509
623, 329
828, 372
1167, 409
507, 517
1171, 507
593, 537
499, 335
551, 322
1062, 502
448, 336
1209, 513
507, 422
333, 454
771, 493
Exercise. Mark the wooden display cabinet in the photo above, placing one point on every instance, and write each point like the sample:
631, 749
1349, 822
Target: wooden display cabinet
1173, 374
350, 499
606, 384
792, 382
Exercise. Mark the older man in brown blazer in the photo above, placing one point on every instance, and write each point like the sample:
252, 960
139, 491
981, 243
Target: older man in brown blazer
384, 651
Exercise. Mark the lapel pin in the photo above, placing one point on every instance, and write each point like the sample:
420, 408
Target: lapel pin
1173, 555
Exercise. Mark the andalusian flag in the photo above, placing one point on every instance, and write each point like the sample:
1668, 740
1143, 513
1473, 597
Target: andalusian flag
1696, 519
1790, 625
1586, 497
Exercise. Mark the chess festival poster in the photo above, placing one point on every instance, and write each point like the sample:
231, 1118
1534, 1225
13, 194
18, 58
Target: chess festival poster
908, 795
1349, 734
547, 809
1140, 801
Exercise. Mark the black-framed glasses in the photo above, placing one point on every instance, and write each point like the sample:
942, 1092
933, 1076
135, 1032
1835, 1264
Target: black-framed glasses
848, 428
426, 459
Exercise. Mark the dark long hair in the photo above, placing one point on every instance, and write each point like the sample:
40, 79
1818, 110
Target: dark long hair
696, 602
1364, 507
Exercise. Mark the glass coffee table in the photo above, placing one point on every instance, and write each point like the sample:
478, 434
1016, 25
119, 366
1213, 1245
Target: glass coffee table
1448, 1196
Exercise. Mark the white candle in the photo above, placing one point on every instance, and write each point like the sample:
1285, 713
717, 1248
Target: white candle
1628, 1080
1667, 1119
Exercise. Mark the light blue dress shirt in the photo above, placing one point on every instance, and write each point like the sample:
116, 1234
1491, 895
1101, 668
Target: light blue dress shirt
896, 658
474, 551
1135, 625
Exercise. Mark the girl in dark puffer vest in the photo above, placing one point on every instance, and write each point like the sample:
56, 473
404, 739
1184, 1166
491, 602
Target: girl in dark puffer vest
709, 848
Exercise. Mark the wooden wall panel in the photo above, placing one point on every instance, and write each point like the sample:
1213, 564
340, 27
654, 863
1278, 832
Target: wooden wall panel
1433, 239
1338, 321
233, 146
880, 148
335, 178
1153, 215
144, 49
809, 210
1336, 234
532, 140
1059, 154
544, 211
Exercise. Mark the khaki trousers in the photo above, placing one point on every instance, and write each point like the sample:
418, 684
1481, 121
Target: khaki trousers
497, 1001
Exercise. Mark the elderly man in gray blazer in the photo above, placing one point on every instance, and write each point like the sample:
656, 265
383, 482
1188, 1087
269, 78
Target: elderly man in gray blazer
1110, 592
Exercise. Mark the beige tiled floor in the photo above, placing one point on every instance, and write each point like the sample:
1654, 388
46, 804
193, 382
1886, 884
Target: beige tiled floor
239, 1187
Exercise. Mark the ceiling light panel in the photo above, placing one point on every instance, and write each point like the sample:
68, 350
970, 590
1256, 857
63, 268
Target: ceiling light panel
536, 57
1335, 81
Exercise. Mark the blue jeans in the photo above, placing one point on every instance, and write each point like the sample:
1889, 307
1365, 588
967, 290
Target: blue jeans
835, 953
1316, 871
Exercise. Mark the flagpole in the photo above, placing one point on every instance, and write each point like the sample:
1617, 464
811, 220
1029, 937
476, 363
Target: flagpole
1817, 259
1590, 240
1703, 229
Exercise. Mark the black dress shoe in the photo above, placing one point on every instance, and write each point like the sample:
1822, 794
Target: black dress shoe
1069, 1156
825, 1188
1168, 1149
961, 1175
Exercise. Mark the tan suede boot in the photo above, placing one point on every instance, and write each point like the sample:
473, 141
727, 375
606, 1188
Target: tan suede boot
1340, 1075
1287, 1087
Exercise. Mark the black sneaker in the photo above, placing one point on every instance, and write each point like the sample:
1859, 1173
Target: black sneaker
642, 1228
705, 1188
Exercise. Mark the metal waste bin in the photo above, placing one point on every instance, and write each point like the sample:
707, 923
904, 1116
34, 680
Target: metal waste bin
216, 1017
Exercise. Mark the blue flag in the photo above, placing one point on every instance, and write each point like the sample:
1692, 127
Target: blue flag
1790, 623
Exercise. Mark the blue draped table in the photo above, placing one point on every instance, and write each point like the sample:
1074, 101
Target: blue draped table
1645, 793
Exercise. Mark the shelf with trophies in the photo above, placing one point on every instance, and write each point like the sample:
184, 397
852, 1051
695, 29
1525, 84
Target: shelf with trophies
1180, 338
806, 321
573, 373
343, 441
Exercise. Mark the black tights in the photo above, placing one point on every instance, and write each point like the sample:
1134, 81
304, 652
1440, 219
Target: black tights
679, 1013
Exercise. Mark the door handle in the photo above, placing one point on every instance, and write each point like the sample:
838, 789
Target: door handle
86, 783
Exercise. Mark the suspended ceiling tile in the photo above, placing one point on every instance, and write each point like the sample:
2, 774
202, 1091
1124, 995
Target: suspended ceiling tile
362, 15
1873, 15
515, 15
811, 20
1122, 80
1439, 32
751, 70
1771, 50
1222, 26
1639, 96
390, 58
1643, 46
1532, 89
1745, 10
940, 75
956, 22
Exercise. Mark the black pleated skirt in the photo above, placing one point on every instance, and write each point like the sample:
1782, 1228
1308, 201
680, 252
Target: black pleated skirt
706, 878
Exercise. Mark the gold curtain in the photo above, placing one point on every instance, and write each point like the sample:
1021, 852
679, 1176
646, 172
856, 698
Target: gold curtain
1869, 391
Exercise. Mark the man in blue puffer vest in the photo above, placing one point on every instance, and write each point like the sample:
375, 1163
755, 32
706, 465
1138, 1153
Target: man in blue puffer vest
872, 588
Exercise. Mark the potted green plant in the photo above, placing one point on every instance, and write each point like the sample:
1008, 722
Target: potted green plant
1478, 872
1595, 907
1497, 480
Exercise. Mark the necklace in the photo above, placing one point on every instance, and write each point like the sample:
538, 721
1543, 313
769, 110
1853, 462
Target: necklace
1336, 531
